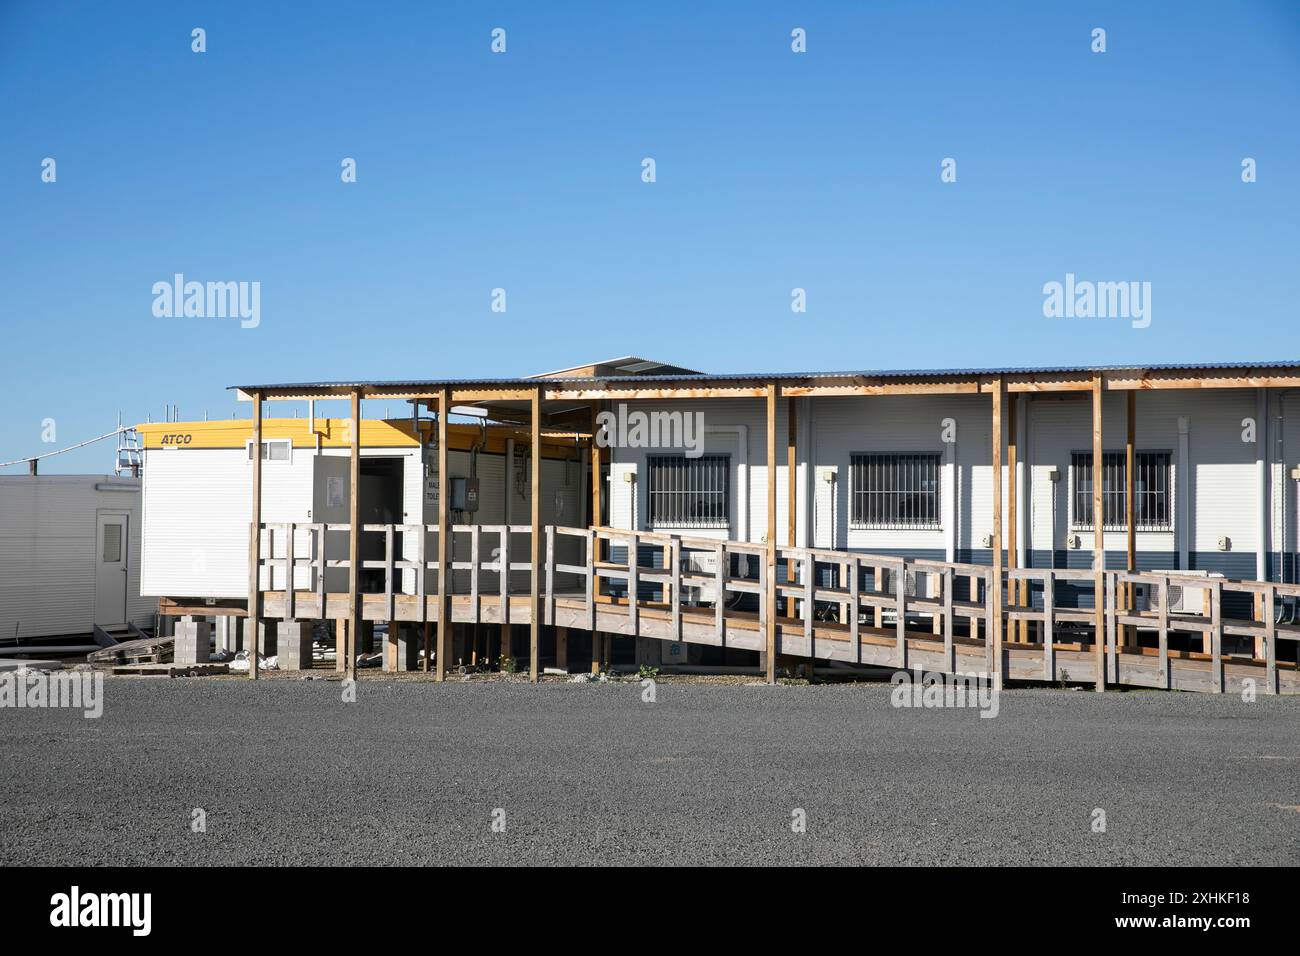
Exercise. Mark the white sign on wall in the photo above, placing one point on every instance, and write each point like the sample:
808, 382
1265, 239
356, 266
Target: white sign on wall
334, 492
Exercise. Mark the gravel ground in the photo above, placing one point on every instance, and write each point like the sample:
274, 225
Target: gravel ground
411, 773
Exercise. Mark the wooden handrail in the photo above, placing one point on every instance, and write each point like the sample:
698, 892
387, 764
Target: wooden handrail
801, 596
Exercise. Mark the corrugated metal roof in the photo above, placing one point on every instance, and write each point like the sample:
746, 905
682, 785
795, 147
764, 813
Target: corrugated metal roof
778, 376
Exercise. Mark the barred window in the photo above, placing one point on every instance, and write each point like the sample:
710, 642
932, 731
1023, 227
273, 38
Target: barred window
1151, 506
895, 490
689, 492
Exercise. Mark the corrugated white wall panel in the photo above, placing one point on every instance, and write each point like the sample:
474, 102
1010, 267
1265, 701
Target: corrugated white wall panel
843, 426
197, 507
48, 551
1288, 492
1059, 427
720, 417
1223, 480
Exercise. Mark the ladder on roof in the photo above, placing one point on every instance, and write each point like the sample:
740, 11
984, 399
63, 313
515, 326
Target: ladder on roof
130, 455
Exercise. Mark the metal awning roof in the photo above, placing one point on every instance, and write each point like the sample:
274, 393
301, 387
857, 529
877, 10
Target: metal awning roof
346, 385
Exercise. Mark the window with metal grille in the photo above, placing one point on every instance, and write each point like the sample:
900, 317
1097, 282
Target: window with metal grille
689, 492
1151, 490
895, 490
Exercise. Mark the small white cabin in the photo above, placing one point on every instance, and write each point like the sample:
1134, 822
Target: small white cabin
69, 555
198, 476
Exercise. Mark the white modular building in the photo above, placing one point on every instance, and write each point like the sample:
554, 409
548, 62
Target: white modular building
197, 506
70, 556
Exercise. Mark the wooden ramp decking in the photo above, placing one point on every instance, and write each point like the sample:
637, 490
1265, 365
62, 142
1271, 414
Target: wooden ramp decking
1071, 662
836, 608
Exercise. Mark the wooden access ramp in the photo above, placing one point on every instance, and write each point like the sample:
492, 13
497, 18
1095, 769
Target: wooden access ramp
863, 609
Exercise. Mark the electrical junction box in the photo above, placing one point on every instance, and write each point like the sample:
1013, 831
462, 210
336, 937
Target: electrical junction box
464, 494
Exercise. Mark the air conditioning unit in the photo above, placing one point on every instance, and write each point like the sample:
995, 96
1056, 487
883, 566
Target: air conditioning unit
1183, 598
923, 582
700, 562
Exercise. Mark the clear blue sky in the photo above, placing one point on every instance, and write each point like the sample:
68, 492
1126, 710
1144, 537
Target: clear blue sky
523, 171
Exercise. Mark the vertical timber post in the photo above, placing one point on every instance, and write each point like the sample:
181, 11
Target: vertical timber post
791, 464
593, 542
1130, 509
255, 544
1013, 458
535, 537
596, 455
443, 653
994, 637
771, 534
791, 467
354, 541
1098, 539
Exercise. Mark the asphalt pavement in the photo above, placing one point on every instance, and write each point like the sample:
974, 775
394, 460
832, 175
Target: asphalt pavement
284, 771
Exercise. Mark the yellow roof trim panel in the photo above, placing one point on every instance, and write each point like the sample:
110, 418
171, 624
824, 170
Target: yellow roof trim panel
334, 433
236, 433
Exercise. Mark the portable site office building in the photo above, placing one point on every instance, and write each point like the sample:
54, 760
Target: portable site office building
996, 479
69, 555
197, 505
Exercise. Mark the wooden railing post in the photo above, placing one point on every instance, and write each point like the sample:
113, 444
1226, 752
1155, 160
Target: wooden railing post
388, 574
1270, 639
1163, 624
1112, 629
1049, 626
809, 604
989, 642
949, 651
1216, 636
720, 585
855, 596
290, 606
844, 576
422, 572
591, 582
675, 556
633, 581
318, 539
900, 610
475, 568
550, 574
504, 582
973, 593
421, 590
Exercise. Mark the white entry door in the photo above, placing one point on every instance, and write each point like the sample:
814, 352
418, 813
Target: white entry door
110, 570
